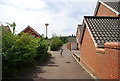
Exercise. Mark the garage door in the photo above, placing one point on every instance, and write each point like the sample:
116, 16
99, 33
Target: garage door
73, 46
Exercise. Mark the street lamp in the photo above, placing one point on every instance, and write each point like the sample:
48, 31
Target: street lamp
0, 23
46, 29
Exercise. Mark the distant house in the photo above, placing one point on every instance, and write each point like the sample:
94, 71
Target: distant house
7, 29
31, 31
107, 8
72, 43
79, 29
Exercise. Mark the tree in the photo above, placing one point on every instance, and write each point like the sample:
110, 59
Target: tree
12, 25
56, 43
64, 39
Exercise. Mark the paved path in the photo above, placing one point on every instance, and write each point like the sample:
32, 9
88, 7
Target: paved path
76, 52
58, 67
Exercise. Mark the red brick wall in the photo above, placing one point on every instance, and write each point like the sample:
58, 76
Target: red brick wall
104, 11
79, 46
78, 38
31, 32
78, 35
111, 60
68, 46
103, 63
88, 52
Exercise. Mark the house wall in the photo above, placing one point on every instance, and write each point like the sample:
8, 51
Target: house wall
109, 61
78, 35
74, 46
79, 46
112, 50
68, 46
104, 11
32, 33
88, 52
78, 38
103, 63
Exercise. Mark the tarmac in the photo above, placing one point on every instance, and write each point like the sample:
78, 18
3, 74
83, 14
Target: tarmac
58, 67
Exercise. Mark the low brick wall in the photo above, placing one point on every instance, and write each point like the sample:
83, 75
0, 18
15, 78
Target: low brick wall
76, 57
106, 62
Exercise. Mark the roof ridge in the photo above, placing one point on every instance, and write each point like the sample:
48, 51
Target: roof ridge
110, 0
31, 29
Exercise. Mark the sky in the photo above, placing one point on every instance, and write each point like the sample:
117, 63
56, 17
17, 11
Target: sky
63, 16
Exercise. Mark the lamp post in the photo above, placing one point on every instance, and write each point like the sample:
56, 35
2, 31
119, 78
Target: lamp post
46, 29
0, 23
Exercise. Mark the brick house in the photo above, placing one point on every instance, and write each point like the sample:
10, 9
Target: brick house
99, 46
72, 43
99, 41
107, 8
79, 28
31, 31
104, 8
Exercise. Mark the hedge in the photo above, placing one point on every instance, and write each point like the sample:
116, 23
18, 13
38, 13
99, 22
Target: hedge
56, 43
20, 52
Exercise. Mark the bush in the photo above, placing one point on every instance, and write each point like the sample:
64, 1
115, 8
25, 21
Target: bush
64, 39
8, 67
41, 50
20, 52
56, 43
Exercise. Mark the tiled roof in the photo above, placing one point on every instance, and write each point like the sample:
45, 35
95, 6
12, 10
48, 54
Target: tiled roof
7, 28
79, 26
115, 4
31, 29
103, 29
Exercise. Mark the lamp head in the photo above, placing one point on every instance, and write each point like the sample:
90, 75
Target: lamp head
46, 24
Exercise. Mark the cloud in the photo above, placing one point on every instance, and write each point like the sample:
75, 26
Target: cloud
62, 16
70, 1
25, 4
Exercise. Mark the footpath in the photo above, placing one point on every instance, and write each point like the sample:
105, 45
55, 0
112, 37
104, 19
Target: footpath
58, 67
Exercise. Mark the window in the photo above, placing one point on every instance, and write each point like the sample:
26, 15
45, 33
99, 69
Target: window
33, 36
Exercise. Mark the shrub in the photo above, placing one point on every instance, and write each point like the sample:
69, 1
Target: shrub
41, 50
56, 43
18, 53
7, 41
21, 52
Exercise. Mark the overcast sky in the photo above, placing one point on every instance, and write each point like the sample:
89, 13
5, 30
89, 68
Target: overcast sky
63, 16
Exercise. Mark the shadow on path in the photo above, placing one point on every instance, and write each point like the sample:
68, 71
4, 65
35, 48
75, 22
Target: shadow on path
58, 67
33, 73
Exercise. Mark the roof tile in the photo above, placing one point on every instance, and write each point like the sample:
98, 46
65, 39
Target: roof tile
104, 29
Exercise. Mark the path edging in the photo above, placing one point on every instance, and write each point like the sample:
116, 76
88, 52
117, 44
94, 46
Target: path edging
75, 56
